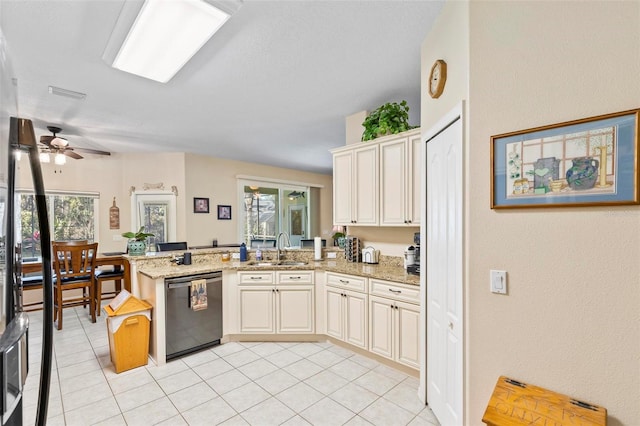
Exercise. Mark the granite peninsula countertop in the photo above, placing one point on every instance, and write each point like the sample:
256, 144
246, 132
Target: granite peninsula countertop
160, 266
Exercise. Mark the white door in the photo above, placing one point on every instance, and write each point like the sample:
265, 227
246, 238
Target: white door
444, 281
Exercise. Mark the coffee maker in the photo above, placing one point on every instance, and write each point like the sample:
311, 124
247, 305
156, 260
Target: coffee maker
414, 269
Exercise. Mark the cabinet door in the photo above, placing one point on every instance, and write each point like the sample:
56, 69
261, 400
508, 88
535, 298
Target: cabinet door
393, 182
365, 187
295, 309
414, 190
335, 313
381, 335
342, 187
256, 309
407, 334
356, 319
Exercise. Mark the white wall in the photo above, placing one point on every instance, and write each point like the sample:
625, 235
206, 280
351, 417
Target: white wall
571, 321
193, 175
216, 179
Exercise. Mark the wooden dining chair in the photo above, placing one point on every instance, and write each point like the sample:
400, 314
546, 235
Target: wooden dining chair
74, 265
115, 274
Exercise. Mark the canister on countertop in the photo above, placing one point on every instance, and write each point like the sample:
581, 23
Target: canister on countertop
243, 252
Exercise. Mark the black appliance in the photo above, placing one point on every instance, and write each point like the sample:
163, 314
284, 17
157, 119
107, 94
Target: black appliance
17, 135
415, 268
187, 328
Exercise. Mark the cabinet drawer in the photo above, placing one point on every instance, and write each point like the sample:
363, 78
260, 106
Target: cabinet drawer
347, 281
294, 277
395, 291
253, 277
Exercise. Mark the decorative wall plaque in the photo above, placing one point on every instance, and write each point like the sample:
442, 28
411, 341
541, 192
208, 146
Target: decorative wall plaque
114, 216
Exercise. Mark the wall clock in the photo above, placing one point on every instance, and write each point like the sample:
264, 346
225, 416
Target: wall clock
437, 78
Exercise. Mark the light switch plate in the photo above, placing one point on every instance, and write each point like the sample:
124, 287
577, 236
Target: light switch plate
235, 255
331, 255
498, 281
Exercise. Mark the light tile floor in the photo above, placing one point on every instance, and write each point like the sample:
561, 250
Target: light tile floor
232, 384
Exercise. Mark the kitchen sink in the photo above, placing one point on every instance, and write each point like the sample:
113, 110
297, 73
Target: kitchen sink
281, 263
292, 263
259, 263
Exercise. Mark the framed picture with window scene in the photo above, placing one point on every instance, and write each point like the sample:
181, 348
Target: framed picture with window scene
200, 205
587, 162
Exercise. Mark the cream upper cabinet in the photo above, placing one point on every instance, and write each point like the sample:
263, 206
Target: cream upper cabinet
400, 180
378, 182
415, 179
342, 187
355, 186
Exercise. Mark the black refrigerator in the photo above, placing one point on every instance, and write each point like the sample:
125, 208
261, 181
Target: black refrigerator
17, 136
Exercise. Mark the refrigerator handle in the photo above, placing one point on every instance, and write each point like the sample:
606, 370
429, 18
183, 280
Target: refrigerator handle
27, 137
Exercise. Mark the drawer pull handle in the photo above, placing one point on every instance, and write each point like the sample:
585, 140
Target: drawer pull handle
295, 278
344, 281
395, 291
255, 278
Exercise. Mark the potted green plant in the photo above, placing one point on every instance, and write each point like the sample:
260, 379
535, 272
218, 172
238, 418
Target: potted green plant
137, 244
388, 119
338, 236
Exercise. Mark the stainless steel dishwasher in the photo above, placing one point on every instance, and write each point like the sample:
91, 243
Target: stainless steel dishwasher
187, 329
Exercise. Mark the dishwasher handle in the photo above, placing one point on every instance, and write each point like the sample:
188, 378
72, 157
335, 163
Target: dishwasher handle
185, 281
179, 285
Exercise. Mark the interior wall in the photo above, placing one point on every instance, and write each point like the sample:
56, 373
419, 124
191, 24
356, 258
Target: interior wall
216, 179
571, 320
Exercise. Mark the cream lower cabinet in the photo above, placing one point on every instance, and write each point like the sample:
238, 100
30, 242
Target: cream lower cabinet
394, 324
276, 302
347, 317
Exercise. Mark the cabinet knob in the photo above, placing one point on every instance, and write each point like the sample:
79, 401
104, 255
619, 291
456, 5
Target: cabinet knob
450, 325
408, 221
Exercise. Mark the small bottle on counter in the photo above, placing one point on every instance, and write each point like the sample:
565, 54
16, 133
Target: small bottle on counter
258, 255
226, 256
243, 252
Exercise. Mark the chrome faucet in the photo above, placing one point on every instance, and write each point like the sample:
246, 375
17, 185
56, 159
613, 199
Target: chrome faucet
282, 234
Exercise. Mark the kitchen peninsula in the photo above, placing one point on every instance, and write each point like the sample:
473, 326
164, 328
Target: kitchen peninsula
361, 305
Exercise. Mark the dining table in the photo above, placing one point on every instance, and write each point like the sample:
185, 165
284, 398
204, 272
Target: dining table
115, 259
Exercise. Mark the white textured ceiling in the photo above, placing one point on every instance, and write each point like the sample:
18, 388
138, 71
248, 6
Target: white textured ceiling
273, 86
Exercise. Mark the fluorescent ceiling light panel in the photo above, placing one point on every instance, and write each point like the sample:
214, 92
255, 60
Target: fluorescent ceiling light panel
165, 35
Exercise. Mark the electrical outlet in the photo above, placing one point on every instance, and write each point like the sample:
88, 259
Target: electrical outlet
498, 281
332, 255
118, 237
235, 255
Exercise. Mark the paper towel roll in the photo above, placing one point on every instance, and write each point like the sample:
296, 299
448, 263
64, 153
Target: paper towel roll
317, 248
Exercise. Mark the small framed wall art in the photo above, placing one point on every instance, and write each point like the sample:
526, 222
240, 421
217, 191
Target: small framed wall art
224, 212
587, 162
201, 205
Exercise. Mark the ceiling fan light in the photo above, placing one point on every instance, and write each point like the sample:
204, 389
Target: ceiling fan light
44, 157
164, 36
59, 142
60, 159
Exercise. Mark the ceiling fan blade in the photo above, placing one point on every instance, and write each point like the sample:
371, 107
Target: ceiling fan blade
46, 139
91, 151
70, 153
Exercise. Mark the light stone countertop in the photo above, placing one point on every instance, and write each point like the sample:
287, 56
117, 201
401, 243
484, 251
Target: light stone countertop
209, 260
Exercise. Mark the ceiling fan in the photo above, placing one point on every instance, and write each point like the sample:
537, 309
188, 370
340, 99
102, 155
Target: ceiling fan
57, 145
